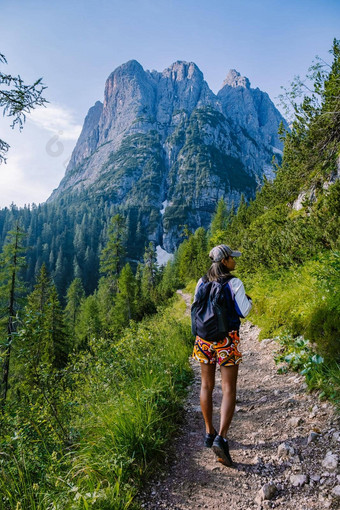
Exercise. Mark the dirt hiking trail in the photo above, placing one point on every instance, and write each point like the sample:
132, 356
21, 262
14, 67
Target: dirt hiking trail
285, 444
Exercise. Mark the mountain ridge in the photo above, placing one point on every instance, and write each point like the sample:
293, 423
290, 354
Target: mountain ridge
170, 130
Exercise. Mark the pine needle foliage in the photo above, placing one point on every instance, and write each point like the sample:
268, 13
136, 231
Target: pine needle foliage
18, 101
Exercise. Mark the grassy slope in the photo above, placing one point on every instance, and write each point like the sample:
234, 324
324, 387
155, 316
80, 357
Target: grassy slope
300, 308
127, 402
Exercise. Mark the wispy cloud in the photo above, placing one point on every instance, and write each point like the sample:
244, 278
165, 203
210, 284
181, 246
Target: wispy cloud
16, 186
57, 120
37, 159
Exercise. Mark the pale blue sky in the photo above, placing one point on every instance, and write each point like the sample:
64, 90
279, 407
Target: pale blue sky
75, 45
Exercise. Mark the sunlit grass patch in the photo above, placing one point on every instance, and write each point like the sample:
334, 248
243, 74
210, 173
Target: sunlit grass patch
301, 307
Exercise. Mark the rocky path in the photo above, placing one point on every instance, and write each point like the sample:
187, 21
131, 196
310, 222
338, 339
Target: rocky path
284, 442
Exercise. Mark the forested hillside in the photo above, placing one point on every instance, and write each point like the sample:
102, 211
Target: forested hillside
91, 387
68, 236
160, 151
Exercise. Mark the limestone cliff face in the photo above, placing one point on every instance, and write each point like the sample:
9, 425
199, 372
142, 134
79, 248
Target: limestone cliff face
251, 109
164, 148
89, 136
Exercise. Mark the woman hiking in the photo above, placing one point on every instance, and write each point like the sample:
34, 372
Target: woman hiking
225, 352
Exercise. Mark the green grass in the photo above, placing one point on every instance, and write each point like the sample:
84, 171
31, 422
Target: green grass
190, 288
300, 308
126, 404
303, 300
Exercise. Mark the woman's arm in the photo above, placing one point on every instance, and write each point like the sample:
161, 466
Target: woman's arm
243, 303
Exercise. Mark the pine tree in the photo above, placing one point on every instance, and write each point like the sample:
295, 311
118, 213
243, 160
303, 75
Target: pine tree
202, 262
124, 303
43, 342
56, 336
59, 272
79, 240
76, 269
312, 145
11, 285
112, 255
18, 101
240, 221
74, 296
89, 324
147, 281
149, 274
105, 300
219, 223
169, 281
42, 348
90, 270
187, 254
138, 290
38, 299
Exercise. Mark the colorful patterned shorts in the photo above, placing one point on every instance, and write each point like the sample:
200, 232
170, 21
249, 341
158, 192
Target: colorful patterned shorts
225, 352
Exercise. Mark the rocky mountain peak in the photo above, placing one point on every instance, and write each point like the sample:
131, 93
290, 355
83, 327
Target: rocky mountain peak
234, 79
121, 77
130, 68
164, 148
181, 70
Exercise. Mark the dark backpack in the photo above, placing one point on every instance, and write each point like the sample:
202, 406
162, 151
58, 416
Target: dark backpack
210, 311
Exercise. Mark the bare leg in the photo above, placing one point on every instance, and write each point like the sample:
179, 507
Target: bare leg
229, 379
207, 386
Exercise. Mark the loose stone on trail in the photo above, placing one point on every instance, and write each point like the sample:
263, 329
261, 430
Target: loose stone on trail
330, 461
336, 491
282, 460
313, 436
295, 421
268, 491
299, 480
284, 450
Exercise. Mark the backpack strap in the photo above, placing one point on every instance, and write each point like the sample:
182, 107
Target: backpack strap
222, 279
226, 279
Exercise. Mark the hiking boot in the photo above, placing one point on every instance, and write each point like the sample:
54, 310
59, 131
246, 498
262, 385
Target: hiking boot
221, 450
209, 439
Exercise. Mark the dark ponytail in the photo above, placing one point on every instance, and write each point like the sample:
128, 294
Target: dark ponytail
217, 270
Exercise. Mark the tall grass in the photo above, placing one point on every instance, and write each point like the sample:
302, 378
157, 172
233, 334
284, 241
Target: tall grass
301, 308
126, 403
302, 301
